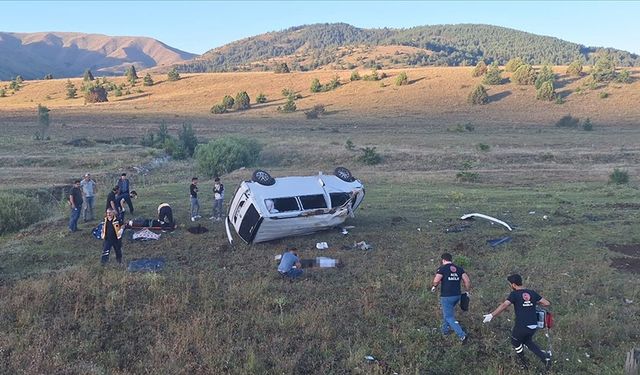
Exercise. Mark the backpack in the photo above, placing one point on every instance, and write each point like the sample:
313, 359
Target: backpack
464, 301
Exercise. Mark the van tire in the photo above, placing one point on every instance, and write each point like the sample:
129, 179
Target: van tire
344, 174
262, 177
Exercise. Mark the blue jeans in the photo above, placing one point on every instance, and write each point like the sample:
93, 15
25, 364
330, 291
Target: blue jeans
217, 208
292, 273
448, 315
195, 207
88, 207
73, 220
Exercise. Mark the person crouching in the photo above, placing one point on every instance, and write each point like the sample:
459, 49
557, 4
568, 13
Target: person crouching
287, 262
112, 231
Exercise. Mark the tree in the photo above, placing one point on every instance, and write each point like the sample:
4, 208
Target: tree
289, 106
43, 121
2, 93
545, 74
355, 76
228, 101
480, 69
315, 85
524, 75
19, 79
131, 74
71, 90
187, 140
147, 81
14, 85
546, 91
226, 154
218, 109
48, 76
173, 75
575, 68
242, 101
402, 79
261, 98
282, 68
95, 94
87, 76
624, 76
514, 64
478, 96
493, 75
604, 69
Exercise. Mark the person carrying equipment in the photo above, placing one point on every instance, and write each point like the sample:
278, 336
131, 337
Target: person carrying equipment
450, 275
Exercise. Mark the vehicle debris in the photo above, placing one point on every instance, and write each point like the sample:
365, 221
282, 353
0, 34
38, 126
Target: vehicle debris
486, 217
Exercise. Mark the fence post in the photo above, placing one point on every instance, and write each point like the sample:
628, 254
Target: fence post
631, 364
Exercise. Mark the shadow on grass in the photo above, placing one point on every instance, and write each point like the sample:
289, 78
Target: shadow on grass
499, 96
133, 97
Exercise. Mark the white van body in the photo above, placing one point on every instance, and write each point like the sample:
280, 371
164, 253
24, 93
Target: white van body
291, 206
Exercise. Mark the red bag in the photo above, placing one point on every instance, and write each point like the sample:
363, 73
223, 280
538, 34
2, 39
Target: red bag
548, 319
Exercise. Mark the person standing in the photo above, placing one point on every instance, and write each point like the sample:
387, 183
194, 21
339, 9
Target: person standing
125, 185
195, 205
112, 230
218, 199
112, 201
89, 190
75, 202
524, 303
449, 276
287, 262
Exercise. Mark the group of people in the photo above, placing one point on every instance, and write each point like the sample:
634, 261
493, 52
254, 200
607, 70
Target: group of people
218, 200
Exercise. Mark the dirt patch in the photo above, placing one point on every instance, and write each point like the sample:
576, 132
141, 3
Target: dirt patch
629, 249
626, 264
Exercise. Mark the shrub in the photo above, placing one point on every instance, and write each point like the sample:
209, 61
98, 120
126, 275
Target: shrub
624, 77
287, 93
315, 85
575, 68
218, 109
478, 96
371, 77
464, 174
43, 121
173, 75
281, 68
568, 122
546, 91
333, 84
2, 93
95, 94
242, 101
604, 69
71, 90
370, 156
19, 79
545, 74
317, 110
88, 76
619, 177
603, 95
228, 101
261, 98
483, 147
14, 85
226, 154
349, 145
355, 76
187, 140
117, 92
18, 211
131, 74
493, 75
289, 106
587, 125
524, 75
480, 69
48, 76
402, 79
514, 64
147, 80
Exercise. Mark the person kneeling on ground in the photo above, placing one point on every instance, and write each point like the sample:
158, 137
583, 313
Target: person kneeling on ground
165, 214
287, 262
112, 231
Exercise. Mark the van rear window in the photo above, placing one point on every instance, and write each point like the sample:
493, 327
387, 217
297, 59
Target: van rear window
338, 199
311, 202
285, 204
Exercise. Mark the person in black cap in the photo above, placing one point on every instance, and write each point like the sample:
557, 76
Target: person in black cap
524, 302
449, 276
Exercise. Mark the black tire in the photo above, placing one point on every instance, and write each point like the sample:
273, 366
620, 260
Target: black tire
262, 177
344, 174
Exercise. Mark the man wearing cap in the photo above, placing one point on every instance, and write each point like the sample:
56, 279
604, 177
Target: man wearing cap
449, 277
89, 191
75, 202
524, 302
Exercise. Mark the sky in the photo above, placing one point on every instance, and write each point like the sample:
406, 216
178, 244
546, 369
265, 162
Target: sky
198, 26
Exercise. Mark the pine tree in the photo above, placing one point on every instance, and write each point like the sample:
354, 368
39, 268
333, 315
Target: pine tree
545, 74
131, 74
173, 75
48, 76
493, 75
315, 85
514, 64
87, 76
71, 90
147, 81
43, 121
228, 101
478, 96
575, 68
546, 91
524, 75
242, 101
480, 69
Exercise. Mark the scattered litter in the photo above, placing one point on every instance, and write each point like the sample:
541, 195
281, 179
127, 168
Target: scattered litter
532, 212
278, 257
145, 235
499, 241
487, 217
197, 230
344, 231
545, 217
431, 221
322, 245
362, 246
146, 265
587, 355
457, 228
628, 301
348, 227
419, 229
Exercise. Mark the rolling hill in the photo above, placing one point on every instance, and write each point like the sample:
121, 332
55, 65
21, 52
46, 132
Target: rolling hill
33, 55
342, 46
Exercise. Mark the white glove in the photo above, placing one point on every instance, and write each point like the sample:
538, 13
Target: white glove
433, 289
487, 318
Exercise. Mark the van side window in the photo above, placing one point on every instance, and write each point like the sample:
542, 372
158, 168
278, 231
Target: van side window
285, 204
311, 202
338, 199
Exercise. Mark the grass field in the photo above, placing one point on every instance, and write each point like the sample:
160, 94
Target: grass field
221, 309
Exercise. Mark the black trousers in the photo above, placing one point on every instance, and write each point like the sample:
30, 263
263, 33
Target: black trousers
106, 249
166, 214
524, 336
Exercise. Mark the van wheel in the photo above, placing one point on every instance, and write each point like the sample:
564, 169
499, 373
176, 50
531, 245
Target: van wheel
344, 174
262, 177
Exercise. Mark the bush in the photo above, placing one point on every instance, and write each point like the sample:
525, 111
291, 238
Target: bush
568, 122
88, 76
546, 91
95, 94
402, 79
2, 93
14, 85
371, 77
483, 147
187, 140
624, 77
349, 145
465, 174
587, 125
355, 76
619, 177
219, 109
333, 84
242, 101
370, 156
71, 90
19, 79
524, 75
289, 106
545, 74
48, 76
228, 101
173, 75
226, 154
575, 68
604, 69
261, 98
43, 121
480, 69
315, 85
147, 81
514, 64
316, 111
493, 75
603, 95
478, 96
131, 74
117, 92
18, 211
281, 68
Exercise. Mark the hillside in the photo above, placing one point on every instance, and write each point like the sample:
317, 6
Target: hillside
310, 47
34, 55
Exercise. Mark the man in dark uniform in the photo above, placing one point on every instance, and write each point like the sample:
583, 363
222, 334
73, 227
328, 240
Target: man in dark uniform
75, 202
524, 302
124, 185
112, 231
449, 276
112, 202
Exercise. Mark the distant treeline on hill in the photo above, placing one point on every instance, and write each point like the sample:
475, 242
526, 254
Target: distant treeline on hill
443, 45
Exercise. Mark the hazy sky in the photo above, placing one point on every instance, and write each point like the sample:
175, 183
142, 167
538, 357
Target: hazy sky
197, 26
